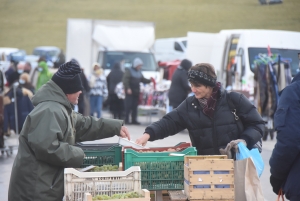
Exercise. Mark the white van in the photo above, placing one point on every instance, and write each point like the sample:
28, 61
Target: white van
254, 42
170, 49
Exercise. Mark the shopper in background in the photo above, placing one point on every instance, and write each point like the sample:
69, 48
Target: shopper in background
116, 104
180, 87
98, 92
48, 135
131, 81
285, 159
24, 81
44, 74
208, 117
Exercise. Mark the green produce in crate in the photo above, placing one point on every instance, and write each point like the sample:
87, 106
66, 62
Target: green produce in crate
118, 196
105, 168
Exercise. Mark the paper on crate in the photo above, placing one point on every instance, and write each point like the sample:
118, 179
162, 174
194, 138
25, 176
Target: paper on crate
126, 142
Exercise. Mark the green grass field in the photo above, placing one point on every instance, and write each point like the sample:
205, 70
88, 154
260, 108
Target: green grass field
28, 23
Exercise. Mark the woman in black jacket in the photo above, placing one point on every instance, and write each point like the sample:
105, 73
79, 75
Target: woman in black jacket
209, 118
116, 104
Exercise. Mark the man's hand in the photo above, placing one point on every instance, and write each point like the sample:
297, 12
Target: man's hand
129, 91
124, 133
276, 184
143, 140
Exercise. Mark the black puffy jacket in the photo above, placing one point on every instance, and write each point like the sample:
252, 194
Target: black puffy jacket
209, 135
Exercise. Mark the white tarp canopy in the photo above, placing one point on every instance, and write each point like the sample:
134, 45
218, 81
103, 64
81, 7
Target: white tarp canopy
125, 38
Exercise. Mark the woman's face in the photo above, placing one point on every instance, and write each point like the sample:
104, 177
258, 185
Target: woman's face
201, 91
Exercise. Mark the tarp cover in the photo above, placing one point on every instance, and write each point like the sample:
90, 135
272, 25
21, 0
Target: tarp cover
126, 38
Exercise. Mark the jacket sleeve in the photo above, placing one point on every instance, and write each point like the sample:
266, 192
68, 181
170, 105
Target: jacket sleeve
90, 128
46, 135
171, 124
252, 121
126, 79
145, 80
185, 83
286, 121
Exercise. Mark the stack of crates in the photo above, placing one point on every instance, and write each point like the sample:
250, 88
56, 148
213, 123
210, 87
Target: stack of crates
101, 154
160, 170
77, 183
209, 178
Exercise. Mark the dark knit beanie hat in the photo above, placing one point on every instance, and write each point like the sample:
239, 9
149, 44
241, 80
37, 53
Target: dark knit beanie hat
203, 73
68, 77
186, 64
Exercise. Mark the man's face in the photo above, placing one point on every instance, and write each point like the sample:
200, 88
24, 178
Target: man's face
139, 67
73, 98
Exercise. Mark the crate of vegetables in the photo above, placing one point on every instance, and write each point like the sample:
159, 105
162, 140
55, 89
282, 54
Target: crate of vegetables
77, 183
101, 154
160, 170
179, 147
143, 195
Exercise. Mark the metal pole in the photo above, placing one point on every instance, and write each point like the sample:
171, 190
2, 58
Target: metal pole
15, 86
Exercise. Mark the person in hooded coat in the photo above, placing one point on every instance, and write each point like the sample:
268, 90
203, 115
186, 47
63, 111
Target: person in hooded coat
116, 104
44, 74
48, 135
285, 158
180, 87
208, 117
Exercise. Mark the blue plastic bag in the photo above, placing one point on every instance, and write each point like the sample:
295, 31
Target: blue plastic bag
244, 153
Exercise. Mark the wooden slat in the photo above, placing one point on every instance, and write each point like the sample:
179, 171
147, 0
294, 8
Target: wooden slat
211, 164
200, 179
216, 193
201, 157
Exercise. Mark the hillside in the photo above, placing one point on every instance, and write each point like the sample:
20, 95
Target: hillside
29, 23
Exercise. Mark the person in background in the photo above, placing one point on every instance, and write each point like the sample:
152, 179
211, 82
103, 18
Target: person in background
48, 135
24, 81
24, 106
180, 87
208, 117
285, 158
27, 68
131, 81
82, 106
44, 74
116, 104
98, 91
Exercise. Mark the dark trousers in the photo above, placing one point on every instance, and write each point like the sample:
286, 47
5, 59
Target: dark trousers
131, 104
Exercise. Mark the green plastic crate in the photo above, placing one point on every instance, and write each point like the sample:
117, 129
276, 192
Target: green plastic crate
101, 154
160, 171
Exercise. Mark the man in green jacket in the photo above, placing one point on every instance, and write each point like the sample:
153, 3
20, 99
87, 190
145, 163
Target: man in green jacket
48, 135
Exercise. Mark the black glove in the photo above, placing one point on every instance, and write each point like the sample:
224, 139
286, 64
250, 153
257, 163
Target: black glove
276, 184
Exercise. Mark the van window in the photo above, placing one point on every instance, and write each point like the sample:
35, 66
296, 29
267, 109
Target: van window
291, 55
178, 47
111, 57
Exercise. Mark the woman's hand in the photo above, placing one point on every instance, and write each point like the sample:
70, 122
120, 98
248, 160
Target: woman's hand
143, 140
124, 133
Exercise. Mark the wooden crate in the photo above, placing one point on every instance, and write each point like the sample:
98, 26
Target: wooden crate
144, 192
209, 178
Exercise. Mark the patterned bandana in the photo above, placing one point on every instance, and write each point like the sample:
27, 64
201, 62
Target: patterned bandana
209, 104
199, 76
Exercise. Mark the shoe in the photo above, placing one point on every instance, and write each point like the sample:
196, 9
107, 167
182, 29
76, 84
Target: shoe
136, 123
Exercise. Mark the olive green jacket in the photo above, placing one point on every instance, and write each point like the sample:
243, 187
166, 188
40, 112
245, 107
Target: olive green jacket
45, 145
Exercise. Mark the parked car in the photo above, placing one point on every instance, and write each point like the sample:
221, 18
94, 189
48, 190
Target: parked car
53, 55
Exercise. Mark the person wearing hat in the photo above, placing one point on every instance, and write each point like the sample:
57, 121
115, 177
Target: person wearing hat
48, 135
180, 87
208, 117
131, 81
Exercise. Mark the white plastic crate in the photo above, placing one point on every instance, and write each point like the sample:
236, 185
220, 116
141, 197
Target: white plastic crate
99, 183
